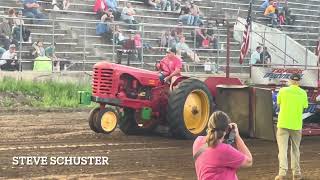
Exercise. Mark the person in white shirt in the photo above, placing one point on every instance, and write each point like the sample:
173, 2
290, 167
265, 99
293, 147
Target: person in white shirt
8, 59
255, 56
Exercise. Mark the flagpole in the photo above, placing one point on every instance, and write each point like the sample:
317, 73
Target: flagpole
250, 36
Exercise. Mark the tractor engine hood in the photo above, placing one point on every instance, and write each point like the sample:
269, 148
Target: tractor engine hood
145, 77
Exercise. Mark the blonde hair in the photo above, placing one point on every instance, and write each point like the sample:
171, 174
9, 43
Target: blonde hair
217, 125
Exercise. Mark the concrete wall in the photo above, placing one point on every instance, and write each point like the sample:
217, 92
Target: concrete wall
277, 43
69, 76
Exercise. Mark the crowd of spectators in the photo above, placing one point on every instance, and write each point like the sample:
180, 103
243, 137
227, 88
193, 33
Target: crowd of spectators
279, 15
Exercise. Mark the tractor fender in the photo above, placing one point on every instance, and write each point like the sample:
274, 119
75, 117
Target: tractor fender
175, 80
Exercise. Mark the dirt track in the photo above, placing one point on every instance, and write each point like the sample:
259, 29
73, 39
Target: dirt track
131, 157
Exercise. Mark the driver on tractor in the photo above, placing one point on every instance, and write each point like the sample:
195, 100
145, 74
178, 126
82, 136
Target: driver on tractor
169, 66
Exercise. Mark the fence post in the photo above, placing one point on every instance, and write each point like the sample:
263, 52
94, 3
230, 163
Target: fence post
228, 49
53, 24
142, 52
194, 47
20, 46
285, 50
84, 46
113, 42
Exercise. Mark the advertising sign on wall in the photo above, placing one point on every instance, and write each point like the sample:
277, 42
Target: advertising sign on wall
278, 76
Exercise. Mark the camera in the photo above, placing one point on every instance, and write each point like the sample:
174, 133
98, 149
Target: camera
231, 135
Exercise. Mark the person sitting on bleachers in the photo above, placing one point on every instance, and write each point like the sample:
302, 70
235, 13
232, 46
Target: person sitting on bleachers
112, 4
19, 23
127, 16
212, 38
164, 40
60, 4
129, 48
200, 35
5, 33
31, 9
103, 27
173, 39
100, 8
179, 30
264, 5
9, 60
183, 49
11, 16
184, 14
195, 15
270, 12
119, 38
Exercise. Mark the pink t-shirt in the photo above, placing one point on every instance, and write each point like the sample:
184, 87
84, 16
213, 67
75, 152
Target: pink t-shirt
220, 162
170, 65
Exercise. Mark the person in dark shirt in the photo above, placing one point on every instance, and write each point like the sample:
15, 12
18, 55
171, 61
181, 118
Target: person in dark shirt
31, 9
265, 56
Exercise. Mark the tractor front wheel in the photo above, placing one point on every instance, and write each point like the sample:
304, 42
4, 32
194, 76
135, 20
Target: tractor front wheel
93, 115
107, 121
189, 109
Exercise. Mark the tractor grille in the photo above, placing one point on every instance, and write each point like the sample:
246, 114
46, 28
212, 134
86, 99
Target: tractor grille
102, 81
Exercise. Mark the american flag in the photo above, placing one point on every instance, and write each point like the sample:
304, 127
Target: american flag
246, 36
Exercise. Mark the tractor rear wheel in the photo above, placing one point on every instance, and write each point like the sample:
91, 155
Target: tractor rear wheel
129, 126
189, 109
92, 118
107, 121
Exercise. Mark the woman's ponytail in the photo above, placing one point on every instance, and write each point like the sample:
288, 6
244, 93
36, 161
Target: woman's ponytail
217, 125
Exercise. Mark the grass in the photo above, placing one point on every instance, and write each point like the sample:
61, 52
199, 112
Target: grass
47, 94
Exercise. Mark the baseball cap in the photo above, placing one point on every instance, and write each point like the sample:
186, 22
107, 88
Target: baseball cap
295, 77
12, 46
173, 50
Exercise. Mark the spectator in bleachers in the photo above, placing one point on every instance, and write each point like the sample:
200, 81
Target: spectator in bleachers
9, 60
265, 56
179, 30
184, 14
41, 62
5, 33
270, 12
138, 45
153, 3
255, 56
129, 48
264, 5
112, 4
11, 16
50, 52
103, 27
289, 19
195, 13
183, 49
2, 50
164, 39
127, 15
118, 36
31, 9
100, 8
212, 38
38, 49
66, 4
19, 24
173, 39
200, 35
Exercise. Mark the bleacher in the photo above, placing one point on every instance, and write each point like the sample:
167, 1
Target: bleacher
74, 30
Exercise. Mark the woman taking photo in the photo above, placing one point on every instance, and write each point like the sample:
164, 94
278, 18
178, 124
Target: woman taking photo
215, 160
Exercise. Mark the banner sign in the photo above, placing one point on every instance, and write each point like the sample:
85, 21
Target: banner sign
278, 76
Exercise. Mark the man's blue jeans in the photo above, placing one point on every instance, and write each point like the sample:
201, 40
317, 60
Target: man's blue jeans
273, 17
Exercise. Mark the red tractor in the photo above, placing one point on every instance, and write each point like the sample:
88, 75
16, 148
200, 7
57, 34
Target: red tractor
138, 102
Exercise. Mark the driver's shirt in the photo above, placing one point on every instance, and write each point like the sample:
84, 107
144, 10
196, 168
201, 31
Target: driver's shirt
169, 65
